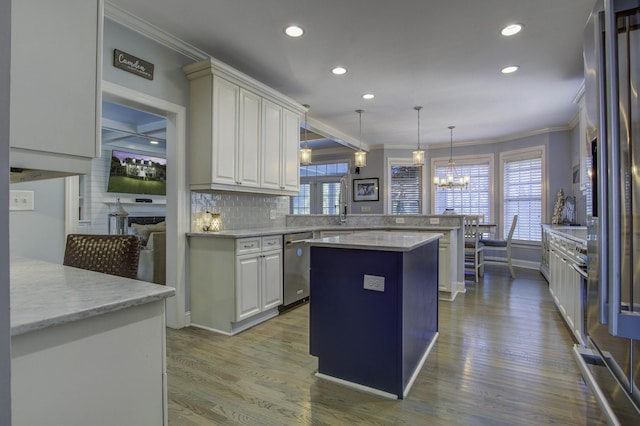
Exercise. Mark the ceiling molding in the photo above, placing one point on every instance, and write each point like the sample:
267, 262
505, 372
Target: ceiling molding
152, 32
510, 138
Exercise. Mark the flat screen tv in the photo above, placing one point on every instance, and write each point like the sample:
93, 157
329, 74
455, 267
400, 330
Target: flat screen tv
132, 173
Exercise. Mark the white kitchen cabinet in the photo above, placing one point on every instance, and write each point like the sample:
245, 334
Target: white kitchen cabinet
291, 151
244, 136
231, 299
259, 278
271, 145
56, 57
565, 283
249, 139
448, 265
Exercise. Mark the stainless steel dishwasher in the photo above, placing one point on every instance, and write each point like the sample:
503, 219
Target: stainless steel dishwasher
296, 268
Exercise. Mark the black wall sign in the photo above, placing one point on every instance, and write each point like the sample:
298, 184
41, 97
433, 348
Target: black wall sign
132, 64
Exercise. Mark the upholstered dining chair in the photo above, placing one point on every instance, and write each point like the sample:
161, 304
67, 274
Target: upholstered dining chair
503, 245
473, 247
109, 254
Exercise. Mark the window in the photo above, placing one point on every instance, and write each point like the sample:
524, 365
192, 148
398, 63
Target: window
476, 198
522, 173
406, 187
406, 190
319, 188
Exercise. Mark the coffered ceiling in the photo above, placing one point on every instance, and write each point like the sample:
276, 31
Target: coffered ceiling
445, 55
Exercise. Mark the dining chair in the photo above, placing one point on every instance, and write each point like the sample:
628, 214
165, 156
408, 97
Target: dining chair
109, 254
473, 247
503, 245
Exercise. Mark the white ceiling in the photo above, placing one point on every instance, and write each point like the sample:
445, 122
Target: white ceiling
445, 55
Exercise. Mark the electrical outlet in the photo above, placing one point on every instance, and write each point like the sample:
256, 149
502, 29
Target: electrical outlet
434, 220
20, 200
399, 219
365, 209
373, 282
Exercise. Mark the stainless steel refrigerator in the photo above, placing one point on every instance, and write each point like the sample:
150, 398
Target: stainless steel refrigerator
610, 362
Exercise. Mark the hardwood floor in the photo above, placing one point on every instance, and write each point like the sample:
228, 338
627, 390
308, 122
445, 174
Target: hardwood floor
503, 357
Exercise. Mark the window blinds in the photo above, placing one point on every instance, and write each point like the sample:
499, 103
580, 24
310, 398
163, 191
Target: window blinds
523, 196
406, 190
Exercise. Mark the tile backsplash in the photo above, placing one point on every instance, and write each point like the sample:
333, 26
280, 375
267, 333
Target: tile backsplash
239, 210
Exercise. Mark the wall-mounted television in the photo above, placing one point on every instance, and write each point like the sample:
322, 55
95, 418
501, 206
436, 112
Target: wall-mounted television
132, 173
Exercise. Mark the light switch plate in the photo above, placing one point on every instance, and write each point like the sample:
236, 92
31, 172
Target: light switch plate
373, 282
365, 209
272, 214
20, 200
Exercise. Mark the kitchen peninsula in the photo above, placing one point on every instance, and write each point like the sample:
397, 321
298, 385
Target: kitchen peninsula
374, 308
87, 348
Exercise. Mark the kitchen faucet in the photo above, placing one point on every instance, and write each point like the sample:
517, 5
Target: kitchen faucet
343, 197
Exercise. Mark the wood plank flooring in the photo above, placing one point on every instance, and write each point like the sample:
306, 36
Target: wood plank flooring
503, 357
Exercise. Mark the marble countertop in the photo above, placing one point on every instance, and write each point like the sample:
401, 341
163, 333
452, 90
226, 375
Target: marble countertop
258, 232
377, 240
45, 294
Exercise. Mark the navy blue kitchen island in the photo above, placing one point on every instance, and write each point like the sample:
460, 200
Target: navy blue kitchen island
374, 308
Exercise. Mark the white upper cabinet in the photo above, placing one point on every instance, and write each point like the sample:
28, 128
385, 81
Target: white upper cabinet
244, 135
249, 139
56, 70
291, 151
271, 145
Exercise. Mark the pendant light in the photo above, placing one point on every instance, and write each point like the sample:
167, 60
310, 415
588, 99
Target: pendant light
418, 155
361, 156
305, 153
452, 178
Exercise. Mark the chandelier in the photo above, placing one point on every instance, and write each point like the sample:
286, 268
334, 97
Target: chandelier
361, 156
305, 153
452, 178
418, 155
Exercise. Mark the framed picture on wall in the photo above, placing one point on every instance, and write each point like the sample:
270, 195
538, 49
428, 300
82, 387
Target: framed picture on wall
365, 189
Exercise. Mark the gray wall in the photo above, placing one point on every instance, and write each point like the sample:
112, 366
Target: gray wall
39, 234
169, 82
5, 342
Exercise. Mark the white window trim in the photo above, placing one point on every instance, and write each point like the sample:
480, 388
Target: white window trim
466, 159
523, 154
423, 176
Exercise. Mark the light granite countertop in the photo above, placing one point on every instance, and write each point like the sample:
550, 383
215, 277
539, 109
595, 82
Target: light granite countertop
377, 240
45, 294
261, 232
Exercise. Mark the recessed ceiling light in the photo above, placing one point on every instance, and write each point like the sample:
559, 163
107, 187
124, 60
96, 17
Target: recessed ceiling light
510, 69
154, 142
368, 96
294, 31
339, 70
510, 30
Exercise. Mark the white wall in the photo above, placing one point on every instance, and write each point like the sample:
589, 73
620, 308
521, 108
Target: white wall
5, 342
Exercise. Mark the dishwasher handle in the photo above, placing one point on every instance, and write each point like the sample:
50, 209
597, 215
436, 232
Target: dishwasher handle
289, 243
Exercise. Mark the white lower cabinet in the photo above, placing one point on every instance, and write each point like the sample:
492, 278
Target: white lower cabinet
258, 281
565, 283
230, 299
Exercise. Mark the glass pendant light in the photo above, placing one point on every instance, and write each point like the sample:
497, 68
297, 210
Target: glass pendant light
361, 156
305, 153
452, 178
418, 155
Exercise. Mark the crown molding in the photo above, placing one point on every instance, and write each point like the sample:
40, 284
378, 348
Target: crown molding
121, 16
